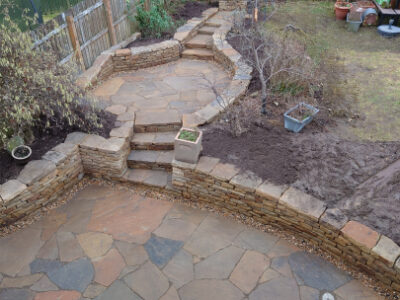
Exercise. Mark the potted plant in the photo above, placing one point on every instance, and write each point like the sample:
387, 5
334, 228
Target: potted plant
18, 150
299, 116
188, 145
341, 9
354, 21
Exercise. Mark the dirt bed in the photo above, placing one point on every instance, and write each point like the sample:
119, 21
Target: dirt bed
320, 164
44, 141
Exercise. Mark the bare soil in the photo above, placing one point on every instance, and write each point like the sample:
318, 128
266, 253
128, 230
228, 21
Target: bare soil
191, 9
45, 139
321, 164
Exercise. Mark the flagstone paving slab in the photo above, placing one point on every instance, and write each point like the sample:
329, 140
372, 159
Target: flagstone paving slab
316, 272
145, 248
161, 250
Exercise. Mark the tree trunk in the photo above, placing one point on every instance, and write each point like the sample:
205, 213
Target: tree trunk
263, 94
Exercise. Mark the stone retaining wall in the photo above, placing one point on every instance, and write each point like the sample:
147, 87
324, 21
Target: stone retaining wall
223, 185
40, 182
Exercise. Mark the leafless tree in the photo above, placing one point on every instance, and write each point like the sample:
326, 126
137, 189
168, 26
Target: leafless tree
271, 54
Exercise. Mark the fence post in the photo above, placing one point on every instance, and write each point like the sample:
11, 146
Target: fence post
74, 41
111, 30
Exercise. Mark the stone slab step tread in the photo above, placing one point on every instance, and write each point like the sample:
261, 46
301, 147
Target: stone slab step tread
153, 141
207, 30
169, 120
215, 21
205, 54
200, 41
151, 159
154, 178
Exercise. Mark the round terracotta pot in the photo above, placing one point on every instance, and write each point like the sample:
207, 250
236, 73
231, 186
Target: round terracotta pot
341, 10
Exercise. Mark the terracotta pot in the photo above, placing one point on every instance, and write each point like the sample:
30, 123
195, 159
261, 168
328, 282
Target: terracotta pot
341, 9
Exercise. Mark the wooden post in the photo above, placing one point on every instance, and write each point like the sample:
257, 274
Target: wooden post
74, 41
111, 30
147, 5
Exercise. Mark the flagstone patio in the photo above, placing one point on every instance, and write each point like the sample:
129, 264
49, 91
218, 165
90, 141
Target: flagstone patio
165, 91
110, 243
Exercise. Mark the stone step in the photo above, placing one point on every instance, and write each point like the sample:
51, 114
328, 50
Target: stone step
207, 30
150, 121
204, 54
153, 141
153, 178
151, 159
215, 21
200, 41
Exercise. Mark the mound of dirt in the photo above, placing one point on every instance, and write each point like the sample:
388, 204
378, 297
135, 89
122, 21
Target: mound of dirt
320, 164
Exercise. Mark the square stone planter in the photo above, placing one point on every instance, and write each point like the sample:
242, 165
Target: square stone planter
187, 151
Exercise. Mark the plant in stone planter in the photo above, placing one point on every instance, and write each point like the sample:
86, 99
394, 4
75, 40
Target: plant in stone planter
22, 154
299, 116
188, 145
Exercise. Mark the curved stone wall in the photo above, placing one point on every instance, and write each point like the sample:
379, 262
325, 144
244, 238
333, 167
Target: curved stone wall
223, 185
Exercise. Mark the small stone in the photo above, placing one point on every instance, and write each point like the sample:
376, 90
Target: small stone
387, 249
107, 268
334, 217
95, 244
206, 164
271, 191
36, 170
10, 189
303, 202
59, 295
247, 181
20, 282
44, 285
93, 290
249, 269
224, 171
361, 234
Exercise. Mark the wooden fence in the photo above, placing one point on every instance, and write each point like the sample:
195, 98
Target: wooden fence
85, 30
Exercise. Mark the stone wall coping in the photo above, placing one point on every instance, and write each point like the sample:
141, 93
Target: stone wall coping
36, 170
387, 249
11, 189
247, 181
271, 191
335, 218
360, 234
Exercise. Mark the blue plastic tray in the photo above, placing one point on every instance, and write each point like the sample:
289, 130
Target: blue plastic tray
295, 125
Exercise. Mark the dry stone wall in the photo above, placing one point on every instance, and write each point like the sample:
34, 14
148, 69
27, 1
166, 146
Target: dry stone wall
232, 4
225, 186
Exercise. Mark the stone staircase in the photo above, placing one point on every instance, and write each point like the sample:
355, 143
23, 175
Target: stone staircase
200, 46
152, 152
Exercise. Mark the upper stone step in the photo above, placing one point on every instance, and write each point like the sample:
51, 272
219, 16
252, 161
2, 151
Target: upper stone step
205, 54
200, 41
150, 121
215, 21
207, 30
153, 141
154, 178
151, 159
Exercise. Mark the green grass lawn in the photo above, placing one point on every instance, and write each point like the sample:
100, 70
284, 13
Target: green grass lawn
368, 65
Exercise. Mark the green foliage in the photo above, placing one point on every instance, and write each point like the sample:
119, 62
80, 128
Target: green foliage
14, 142
154, 22
36, 91
190, 136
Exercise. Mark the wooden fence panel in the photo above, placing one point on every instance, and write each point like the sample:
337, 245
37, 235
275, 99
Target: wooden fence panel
92, 31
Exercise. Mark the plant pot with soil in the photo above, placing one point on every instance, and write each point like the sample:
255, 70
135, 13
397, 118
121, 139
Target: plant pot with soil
341, 9
188, 145
21, 154
299, 116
